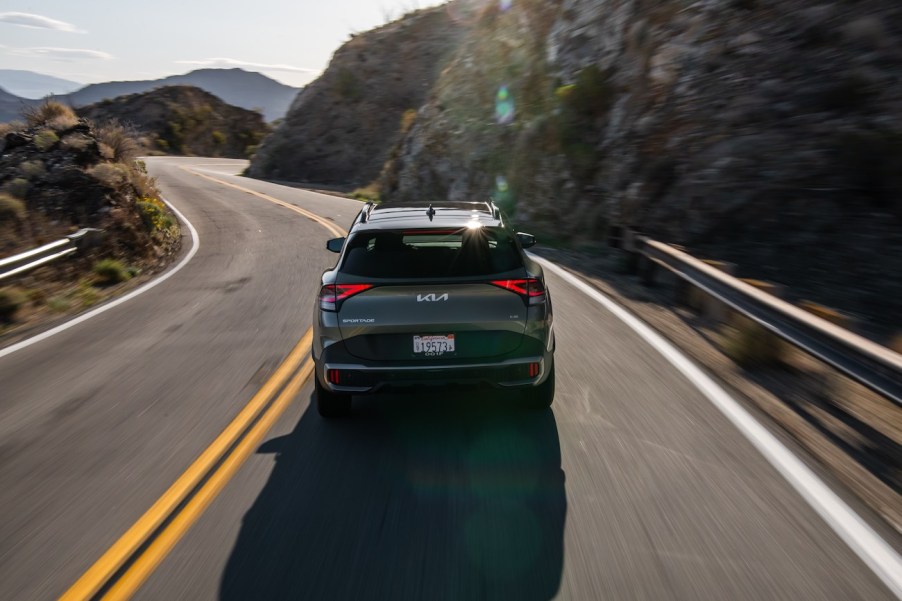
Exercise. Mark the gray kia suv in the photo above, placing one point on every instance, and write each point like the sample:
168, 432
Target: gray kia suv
430, 295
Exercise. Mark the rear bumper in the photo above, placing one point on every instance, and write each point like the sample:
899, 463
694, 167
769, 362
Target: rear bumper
360, 378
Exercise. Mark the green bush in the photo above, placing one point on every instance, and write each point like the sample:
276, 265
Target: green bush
153, 214
33, 169
18, 188
110, 271
348, 86
45, 139
11, 208
11, 300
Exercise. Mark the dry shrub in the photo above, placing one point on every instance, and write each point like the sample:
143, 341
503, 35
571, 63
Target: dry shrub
11, 207
751, 345
7, 128
77, 142
145, 186
11, 300
50, 113
109, 174
118, 141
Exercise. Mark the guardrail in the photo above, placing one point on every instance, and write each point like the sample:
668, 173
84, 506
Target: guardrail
32, 259
868, 363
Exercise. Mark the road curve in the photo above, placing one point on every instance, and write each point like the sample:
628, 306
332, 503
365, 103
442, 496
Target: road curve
633, 487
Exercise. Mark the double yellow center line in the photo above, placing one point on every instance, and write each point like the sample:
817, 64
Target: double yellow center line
132, 559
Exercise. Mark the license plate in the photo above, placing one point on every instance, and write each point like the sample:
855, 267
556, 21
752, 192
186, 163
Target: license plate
433, 346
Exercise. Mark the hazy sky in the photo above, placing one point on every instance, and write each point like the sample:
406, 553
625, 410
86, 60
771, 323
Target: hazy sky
91, 41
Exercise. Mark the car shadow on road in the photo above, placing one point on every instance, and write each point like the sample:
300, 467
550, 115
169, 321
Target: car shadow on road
411, 498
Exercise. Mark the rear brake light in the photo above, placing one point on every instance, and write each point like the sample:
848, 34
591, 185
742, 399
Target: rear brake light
530, 289
332, 295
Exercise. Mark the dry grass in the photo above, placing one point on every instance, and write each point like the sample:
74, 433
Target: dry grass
117, 142
52, 114
109, 174
11, 208
6, 128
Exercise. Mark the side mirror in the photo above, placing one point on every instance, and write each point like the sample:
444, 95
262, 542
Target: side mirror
335, 244
526, 240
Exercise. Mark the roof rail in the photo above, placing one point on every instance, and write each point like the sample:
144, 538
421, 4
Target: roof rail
365, 211
493, 209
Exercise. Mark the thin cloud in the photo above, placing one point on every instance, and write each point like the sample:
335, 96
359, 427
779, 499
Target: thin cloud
231, 62
37, 22
63, 54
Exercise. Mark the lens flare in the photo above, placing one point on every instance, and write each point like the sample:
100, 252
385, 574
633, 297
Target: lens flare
504, 106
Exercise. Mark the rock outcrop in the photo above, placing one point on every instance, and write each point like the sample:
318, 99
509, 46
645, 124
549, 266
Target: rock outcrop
341, 127
184, 120
60, 174
766, 132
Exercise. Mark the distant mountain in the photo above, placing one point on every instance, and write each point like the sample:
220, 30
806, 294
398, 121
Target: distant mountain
29, 84
235, 86
11, 106
184, 120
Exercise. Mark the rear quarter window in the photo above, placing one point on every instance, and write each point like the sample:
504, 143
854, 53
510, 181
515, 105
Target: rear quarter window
423, 254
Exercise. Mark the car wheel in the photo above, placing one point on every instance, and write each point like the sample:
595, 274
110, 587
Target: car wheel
331, 404
541, 396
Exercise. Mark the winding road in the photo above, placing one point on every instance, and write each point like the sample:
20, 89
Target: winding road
634, 486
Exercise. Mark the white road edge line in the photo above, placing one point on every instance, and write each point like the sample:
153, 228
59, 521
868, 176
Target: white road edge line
861, 538
195, 240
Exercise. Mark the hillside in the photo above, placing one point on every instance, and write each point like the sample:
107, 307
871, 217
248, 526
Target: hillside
341, 127
184, 120
237, 87
29, 84
11, 106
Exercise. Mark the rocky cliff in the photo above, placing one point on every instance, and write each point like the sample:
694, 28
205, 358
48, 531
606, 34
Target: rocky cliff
184, 120
766, 132
763, 132
340, 128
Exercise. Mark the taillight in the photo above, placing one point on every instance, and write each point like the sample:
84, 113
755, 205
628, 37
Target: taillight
332, 295
530, 289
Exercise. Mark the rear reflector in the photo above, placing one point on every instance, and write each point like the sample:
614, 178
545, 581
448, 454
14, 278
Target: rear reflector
334, 376
533, 370
332, 295
530, 289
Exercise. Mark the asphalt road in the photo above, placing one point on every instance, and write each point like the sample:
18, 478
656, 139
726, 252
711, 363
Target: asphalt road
633, 487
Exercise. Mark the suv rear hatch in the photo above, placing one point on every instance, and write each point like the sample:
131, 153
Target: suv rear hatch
433, 294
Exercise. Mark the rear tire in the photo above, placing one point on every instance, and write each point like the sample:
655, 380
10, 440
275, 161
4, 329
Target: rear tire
541, 396
331, 404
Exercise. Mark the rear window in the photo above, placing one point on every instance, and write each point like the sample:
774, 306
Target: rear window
431, 253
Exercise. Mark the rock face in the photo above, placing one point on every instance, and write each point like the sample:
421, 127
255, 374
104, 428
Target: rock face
341, 127
766, 132
184, 120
